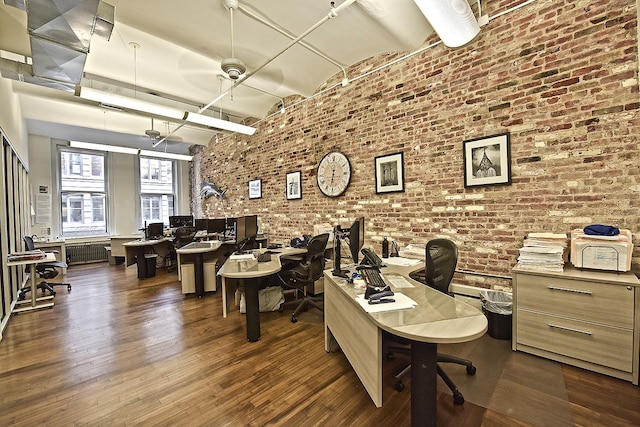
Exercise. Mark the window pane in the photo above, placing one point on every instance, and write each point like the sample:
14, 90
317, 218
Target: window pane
83, 196
157, 189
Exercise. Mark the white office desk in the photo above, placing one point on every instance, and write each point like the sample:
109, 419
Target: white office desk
55, 245
36, 302
438, 318
252, 269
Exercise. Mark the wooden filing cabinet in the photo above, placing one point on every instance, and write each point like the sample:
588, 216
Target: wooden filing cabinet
590, 319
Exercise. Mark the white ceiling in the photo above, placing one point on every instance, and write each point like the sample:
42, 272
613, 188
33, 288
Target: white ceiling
181, 48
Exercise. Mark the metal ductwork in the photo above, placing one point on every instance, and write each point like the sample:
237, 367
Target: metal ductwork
60, 32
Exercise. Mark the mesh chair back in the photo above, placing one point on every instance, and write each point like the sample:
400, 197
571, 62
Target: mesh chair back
28, 243
441, 260
315, 255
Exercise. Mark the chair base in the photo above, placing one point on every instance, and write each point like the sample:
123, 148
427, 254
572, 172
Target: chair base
44, 287
458, 398
304, 306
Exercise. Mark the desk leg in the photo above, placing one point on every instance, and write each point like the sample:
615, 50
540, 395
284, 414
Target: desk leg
34, 285
253, 309
424, 376
224, 296
198, 274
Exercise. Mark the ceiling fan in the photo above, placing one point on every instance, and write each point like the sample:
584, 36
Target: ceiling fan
233, 67
152, 133
155, 135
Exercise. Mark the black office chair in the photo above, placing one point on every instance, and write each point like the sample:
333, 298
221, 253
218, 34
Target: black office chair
441, 259
305, 270
44, 270
183, 236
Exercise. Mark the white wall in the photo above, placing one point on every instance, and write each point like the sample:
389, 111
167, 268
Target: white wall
11, 120
123, 187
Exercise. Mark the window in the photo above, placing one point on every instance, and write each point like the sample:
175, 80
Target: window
157, 189
83, 193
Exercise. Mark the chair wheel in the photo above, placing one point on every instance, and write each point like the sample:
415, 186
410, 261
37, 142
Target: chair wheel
458, 399
69, 288
471, 370
399, 385
294, 319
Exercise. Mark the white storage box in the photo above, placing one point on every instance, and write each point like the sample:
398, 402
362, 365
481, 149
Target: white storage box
611, 253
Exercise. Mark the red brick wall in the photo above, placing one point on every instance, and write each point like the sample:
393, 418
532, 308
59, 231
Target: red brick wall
560, 76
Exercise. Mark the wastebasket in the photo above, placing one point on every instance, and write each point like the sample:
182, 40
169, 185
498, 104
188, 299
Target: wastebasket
498, 307
147, 268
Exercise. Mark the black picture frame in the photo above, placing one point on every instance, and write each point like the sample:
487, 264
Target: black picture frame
293, 185
389, 173
255, 189
487, 160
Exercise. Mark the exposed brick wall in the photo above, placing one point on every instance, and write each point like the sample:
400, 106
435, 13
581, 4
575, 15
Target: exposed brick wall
560, 76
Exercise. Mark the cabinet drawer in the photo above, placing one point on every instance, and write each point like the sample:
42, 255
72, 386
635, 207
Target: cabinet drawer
603, 345
591, 301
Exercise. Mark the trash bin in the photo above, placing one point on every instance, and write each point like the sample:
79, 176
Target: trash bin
498, 307
148, 267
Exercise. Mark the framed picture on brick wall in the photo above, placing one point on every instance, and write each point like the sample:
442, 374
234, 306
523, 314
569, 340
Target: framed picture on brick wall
255, 189
389, 173
294, 185
487, 160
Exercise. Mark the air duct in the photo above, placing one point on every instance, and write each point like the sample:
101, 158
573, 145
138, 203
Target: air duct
452, 20
60, 32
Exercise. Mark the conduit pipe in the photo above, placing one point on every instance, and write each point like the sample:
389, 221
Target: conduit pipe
332, 14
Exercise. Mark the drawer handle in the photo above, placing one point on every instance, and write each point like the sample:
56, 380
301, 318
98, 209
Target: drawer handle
577, 291
564, 328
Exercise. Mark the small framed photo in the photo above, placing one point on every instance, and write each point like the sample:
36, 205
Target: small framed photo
255, 189
389, 173
294, 185
487, 160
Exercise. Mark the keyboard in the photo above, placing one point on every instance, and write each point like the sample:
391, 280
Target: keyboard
372, 278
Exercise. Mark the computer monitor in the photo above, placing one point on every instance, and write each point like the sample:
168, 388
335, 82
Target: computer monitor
246, 231
202, 224
216, 225
176, 221
356, 238
155, 230
355, 234
231, 227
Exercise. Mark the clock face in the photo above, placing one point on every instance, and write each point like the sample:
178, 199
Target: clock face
334, 174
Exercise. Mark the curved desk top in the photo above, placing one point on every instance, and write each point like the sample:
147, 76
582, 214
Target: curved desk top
146, 242
251, 268
199, 247
438, 318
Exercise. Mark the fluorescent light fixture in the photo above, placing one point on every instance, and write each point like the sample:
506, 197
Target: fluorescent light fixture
129, 103
164, 155
201, 119
160, 110
103, 147
452, 20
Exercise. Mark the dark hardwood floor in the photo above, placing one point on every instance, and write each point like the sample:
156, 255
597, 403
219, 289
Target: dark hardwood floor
121, 351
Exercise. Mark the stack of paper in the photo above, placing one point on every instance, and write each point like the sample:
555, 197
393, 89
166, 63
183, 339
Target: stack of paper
543, 251
26, 255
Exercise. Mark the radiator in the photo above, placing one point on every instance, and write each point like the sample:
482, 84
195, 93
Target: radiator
84, 253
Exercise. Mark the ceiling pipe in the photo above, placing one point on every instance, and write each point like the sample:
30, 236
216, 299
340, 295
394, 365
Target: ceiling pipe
307, 46
332, 14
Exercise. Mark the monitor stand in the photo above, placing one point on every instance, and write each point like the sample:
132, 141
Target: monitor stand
337, 255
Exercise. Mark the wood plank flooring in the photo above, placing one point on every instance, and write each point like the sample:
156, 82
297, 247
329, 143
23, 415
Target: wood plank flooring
121, 351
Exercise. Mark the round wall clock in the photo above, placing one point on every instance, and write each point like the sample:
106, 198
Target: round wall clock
334, 174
